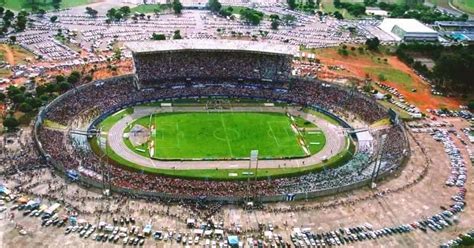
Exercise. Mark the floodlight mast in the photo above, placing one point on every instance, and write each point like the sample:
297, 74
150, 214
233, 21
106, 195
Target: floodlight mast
378, 160
253, 157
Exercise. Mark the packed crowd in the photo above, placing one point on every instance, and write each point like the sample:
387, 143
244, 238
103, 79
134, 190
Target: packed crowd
104, 96
155, 67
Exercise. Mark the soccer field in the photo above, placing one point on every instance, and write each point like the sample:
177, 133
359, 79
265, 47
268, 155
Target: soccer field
202, 135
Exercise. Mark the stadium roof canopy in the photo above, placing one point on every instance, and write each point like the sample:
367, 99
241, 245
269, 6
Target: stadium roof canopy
211, 45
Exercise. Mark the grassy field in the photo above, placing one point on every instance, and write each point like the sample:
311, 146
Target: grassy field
228, 135
224, 174
14, 54
328, 6
44, 4
150, 8
464, 5
392, 75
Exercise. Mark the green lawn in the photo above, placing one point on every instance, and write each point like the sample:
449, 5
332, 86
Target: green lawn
465, 5
225, 174
150, 8
392, 75
44, 4
228, 135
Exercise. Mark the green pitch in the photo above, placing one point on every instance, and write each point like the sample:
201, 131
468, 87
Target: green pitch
226, 135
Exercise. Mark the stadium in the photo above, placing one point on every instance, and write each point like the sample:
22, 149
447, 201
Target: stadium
219, 120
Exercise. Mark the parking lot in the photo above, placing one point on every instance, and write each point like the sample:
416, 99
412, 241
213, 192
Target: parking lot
417, 192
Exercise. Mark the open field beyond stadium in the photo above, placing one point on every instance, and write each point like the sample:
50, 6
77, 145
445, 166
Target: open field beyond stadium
465, 5
396, 73
46, 5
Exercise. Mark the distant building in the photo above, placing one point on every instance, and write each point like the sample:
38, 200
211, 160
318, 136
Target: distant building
465, 37
138, 2
375, 11
408, 30
455, 26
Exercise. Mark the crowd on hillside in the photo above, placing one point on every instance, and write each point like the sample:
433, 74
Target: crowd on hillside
155, 67
103, 96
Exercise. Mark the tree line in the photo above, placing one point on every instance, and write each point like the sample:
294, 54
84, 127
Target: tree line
453, 69
411, 9
28, 102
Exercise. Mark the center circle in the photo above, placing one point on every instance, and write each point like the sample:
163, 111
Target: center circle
227, 134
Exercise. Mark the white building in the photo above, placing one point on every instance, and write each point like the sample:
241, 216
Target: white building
376, 11
408, 30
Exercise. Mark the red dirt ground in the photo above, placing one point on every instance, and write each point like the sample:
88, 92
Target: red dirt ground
355, 66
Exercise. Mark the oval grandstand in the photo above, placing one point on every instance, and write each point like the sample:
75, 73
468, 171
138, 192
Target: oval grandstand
89, 103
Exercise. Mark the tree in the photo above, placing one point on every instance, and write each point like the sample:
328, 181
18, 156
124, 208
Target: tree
125, 10
53, 19
111, 13
41, 12
310, 5
470, 105
117, 54
289, 19
343, 52
91, 12
382, 77
454, 70
64, 86
214, 5
2, 10
275, 24
291, 4
251, 16
10, 123
21, 20
177, 35
13, 90
156, 36
56, 4
60, 78
18, 98
74, 77
25, 107
13, 39
338, 15
177, 7
372, 44
370, 2
8, 16
274, 17
2, 97
118, 16
34, 102
226, 11
50, 88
